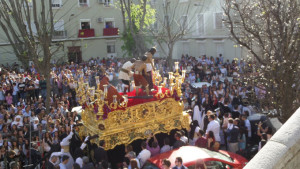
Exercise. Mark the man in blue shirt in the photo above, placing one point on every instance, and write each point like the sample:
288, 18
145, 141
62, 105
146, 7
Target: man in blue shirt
27, 112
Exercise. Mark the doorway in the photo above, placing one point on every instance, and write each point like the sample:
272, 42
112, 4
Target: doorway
74, 54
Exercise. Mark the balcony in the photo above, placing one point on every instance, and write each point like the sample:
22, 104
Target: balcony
84, 4
110, 31
59, 35
85, 33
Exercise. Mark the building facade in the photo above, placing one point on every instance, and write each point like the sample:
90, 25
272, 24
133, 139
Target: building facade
92, 28
205, 33
86, 28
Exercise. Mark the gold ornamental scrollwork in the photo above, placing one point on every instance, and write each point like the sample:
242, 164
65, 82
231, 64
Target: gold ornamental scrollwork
118, 124
125, 126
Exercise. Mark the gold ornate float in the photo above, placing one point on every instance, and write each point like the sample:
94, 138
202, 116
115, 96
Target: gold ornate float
119, 123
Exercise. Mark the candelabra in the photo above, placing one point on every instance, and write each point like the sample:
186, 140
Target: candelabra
91, 97
175, 82
160, 94
113, 121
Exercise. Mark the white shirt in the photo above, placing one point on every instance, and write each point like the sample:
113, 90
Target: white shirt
36, 84
248, 125
224, 71
143, 156
62, 166
184, 139
165, 148
214, 126
79, 161
125, 76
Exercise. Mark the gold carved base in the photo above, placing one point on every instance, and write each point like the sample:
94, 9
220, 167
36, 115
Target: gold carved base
136, 122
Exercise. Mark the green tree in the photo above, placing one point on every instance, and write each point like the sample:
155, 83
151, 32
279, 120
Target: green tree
137, 18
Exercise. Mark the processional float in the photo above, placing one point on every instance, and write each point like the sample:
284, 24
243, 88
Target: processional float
133, 118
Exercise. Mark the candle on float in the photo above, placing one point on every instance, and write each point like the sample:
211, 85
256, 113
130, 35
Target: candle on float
159, 89
183, 73
165, 80
126, 98
176, 65
92, 91
105, 90
97, 80
170, 75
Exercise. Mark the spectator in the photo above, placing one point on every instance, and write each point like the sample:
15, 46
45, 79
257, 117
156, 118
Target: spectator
183, 138
178, 163
193, 133
166, 146
233, 134
263, 141
128, 149
178, 143
64, 161
100, 154
145, 154
131, 157
201, 141
214, 126
166, 164
235, 113
53, 161
133, 164
43, 87
154, 149
87, 164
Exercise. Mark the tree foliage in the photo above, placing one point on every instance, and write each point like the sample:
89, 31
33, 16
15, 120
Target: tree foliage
269, 30
137, 17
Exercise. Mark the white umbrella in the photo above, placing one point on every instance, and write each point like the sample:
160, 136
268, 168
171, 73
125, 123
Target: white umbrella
78, 109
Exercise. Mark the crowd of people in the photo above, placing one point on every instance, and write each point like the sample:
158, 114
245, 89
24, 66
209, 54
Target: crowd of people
219, 111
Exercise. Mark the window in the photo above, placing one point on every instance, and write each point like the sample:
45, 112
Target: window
56, 3
83, 3
108, 3
200, 24
33, 28
59, 29
85, 24
109, 24
180, 1
184, 22
219, 20
59, 25
111, 47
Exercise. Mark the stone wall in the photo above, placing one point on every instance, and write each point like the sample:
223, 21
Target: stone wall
282, 151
